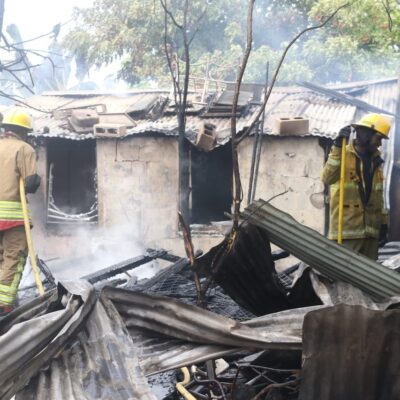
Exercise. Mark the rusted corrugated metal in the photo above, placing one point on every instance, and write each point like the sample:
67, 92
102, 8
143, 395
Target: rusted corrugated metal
351, 352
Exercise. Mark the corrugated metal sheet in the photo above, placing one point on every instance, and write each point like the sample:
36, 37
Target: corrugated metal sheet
379, 93
158, 354
175, 319
34, 334
338, 292
100, 363
83, 349
350, 352
326, 256
326, 115
101, 347
114, 103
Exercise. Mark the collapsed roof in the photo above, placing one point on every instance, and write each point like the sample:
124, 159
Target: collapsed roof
151, 112
78, 342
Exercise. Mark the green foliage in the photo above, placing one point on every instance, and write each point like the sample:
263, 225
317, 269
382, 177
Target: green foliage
363, 40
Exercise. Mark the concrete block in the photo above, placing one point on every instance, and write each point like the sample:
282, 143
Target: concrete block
292, 126
109, 130
206, 137
84, 118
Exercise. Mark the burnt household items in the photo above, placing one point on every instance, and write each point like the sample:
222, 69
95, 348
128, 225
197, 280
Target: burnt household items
17, 159
364, 217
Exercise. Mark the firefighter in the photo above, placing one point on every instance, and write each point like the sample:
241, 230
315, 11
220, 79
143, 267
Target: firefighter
17, 159
364, 217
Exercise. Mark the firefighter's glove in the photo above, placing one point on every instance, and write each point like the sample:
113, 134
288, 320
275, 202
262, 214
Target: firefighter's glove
383, 235
343, 133
32, 183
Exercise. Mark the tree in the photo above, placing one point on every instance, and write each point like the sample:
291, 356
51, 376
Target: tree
363, 43
132, 32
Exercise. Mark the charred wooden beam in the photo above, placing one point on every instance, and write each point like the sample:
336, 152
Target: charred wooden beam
124, 266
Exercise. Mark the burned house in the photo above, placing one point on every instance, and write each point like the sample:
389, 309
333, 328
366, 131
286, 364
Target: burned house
110, 162
325, 329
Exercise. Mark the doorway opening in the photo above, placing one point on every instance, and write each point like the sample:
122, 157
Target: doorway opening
211, 182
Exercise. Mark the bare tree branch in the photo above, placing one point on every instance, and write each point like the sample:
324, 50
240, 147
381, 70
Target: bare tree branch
168, 56
386, 6
228, 244
181, 95
23, 59
238, 186
14, 98
197, 25
262, 108
166, 10
41, 36
23, 84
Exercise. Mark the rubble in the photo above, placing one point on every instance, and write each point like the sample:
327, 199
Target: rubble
105, 337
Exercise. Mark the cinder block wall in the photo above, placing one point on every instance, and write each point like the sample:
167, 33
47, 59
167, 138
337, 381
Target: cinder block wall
138, 194
288, 163
138, 185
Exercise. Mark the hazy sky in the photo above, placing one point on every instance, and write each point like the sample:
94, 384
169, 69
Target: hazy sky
37, 17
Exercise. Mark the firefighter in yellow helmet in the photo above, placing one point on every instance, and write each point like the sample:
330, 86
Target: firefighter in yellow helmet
364, 217
17, 159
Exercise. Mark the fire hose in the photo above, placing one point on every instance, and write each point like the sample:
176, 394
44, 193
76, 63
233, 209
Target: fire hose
32, 255
180, 385
341, 191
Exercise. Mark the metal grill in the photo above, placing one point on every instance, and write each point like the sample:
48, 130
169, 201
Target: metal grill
177, 282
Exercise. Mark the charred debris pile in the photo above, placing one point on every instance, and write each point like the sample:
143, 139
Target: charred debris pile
326, 328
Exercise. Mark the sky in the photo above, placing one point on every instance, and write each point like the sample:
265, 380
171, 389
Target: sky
38, 17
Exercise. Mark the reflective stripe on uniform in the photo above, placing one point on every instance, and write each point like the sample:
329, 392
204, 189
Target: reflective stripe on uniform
369, 231
8, 293
347, 185
359, 221
372, 231
333, 162
349, 233
11, 211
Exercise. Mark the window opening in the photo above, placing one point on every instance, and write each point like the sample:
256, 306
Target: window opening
72, 177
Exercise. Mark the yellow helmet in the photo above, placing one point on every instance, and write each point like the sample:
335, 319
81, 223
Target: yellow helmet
377, 122
18, 117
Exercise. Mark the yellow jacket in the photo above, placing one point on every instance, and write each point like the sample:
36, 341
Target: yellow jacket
17, 158
361, 219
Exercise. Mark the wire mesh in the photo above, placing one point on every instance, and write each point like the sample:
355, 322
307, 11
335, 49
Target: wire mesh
178, 283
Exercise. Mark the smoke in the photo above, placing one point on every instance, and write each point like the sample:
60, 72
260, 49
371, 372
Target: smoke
72, 252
